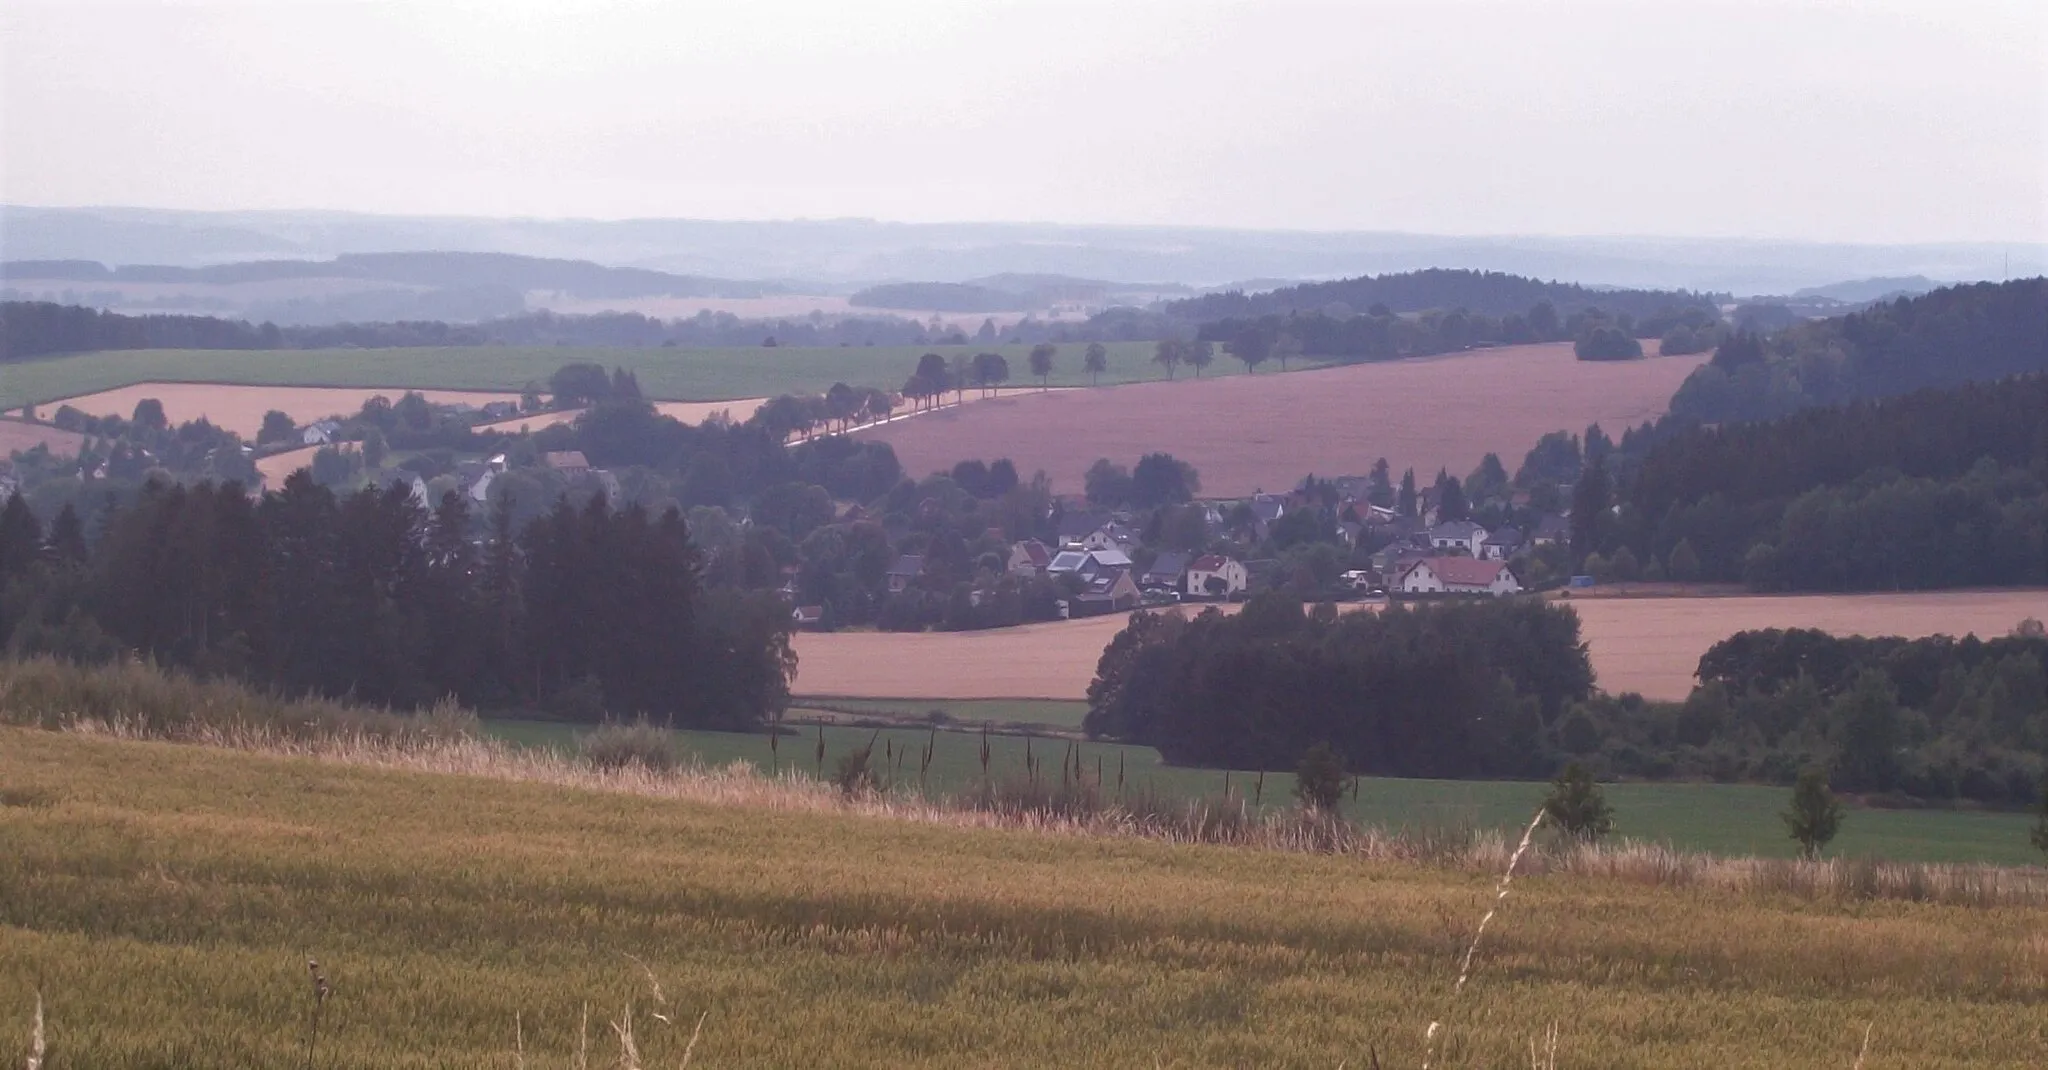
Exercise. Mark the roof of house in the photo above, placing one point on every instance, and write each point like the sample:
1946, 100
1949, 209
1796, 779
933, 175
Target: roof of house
1462, 571
1209, 563
1267, 508
809, 614
1171, 565
1504, 537
1104, 583
1553, 526
565, 459
1110, 558
1456, 529
1034, 552
1067, 561
907, 565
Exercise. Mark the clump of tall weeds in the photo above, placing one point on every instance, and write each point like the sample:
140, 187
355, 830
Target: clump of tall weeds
615, 747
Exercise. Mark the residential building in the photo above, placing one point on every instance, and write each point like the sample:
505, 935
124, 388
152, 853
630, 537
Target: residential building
1462, 536
1216, 576
1167, 572
1109, 591
1029, 558
1458, 575
1550, 530
567, 462
1501, 544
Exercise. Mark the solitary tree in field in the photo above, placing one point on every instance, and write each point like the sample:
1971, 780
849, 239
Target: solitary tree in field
1199, 355
1577, 806
1319, 780
1251, 346
1096, 360
1285, 348
1816, 815
1041, 361
1167, 355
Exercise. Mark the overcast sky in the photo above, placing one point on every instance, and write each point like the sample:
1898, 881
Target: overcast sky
1865, 122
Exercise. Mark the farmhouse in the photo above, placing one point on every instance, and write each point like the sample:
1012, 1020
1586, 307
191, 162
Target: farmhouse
1458, 575
1550, 530
320, 433
1085, 530
1216, 576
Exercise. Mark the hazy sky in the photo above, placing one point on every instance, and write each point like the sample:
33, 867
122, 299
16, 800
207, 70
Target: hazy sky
1862, 122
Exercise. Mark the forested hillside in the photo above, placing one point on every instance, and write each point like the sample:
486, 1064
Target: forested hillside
1956, 335
1939, 488
1489, 293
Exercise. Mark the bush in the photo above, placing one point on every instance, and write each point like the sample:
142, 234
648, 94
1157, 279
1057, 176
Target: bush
1319, 779
1815, 815
617, 746
1577, 806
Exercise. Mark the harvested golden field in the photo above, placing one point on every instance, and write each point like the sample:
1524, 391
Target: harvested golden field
1648, 645
21, 435
1266, 431
162, 900
240, 408
689, 412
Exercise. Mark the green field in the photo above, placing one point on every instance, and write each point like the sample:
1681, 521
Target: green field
1734, 819
1059, 713
665, 374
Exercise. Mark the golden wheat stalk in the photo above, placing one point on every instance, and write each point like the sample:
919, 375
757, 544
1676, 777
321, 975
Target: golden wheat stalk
1507, 878
690, 1049
37, 1046
1872, 1024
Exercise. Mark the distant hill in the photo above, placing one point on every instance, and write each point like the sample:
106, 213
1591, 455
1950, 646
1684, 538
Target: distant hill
576, 278
1864, 291
1489, 293
1012, 292
854, 252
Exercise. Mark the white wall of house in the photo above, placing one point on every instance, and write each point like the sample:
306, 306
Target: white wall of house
1232, 573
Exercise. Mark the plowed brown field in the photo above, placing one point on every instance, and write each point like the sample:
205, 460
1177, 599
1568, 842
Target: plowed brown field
21, 435
1648, 645
1247, 433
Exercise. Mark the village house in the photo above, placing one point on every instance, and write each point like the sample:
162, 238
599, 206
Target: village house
1029, 558
1501, 544
1458, 575
808, 618
1551, 530
1167, 572
1216, 576
903, 570
1110, 590
1462, 536
567, 462
1078, 529
320, 433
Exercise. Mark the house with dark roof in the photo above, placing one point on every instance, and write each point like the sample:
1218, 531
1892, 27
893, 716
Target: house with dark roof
1077, 528
1109, 591
1068, 562
1551, 529
1166, 573
1501, 544
1458, 575
567, 462
1462, 536
903, 570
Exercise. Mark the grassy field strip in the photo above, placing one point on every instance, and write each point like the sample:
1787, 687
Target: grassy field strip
164, 898
1063, 714
679, 374
1730, 819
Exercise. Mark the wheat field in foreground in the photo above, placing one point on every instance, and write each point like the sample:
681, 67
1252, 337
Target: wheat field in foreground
163, 900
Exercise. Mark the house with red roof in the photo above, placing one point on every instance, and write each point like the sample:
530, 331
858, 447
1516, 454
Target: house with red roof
1229, 575
1458, 575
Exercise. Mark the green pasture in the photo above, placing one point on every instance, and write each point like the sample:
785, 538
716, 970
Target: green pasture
1732, 819
679, 374
1059, 713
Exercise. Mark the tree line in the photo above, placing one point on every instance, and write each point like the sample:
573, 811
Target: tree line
1453, 689
1937, 719
373, 596
1490, 293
